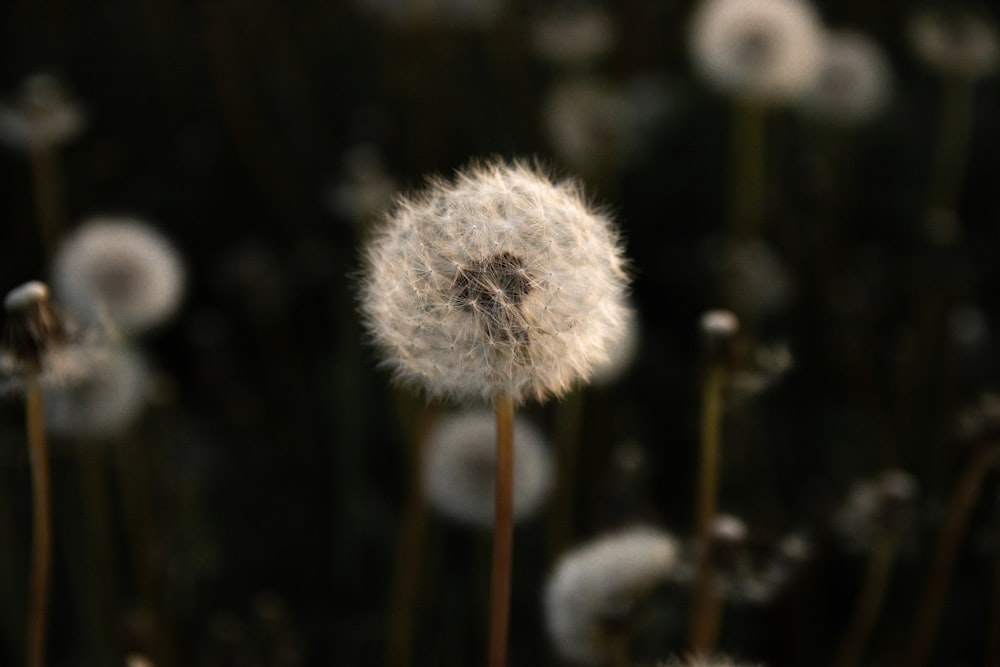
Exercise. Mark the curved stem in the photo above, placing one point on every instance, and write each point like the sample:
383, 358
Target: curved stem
963, 500
705, 614
41, 549
503, 533
869, 602
48, 196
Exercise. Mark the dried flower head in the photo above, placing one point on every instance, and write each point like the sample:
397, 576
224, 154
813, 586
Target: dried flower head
32, 328
459, 468
957, 43
43, 115
876, 507
854, 80
120, 269
103, 397
767, 50
596, 588
498, 282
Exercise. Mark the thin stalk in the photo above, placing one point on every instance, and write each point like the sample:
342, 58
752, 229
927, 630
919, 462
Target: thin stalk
963, 500
952, 150
568, 414
869, 603
48, 196
747, 170
100, 583
503, 533
41, 549
704, 612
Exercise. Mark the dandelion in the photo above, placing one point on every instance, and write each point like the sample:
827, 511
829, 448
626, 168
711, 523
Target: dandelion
956, 44
595, 592
120, 269
622, 353
502, 285
33, 328
105, 396
41, 119
767, 50
854, 80
500, 282
460, 468
572, 37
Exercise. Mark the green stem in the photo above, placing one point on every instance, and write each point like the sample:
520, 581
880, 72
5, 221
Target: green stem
705, 612
747, 170
952, 150
869, 603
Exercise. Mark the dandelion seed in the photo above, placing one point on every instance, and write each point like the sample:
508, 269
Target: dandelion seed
596, 589
460, 468
500, 282
121, 269
766, 50
853, 83
959, 44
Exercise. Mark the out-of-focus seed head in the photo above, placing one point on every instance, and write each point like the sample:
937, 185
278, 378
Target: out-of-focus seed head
573, 36
43, 115
875, 508
121, 269
459, 468
854, 81
597, 588
766, 50
958, 43
497, 282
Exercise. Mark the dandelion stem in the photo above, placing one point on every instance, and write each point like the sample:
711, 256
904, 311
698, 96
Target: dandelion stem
704, 612
41, 557
503, 532
869, 603
747, 170
952, 146
48, 196
963, 500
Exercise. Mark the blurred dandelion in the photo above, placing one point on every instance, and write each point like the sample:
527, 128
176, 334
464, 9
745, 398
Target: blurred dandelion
593, 597
120, 269
854, 81
959, 43
573, 37
460, 468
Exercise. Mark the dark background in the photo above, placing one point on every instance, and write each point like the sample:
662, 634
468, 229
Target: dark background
275, 472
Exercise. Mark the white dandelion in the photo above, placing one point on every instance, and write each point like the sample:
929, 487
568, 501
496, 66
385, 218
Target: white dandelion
597, 586
119, 269
105, 395
499, 282
459, 468
767, 50
854, 82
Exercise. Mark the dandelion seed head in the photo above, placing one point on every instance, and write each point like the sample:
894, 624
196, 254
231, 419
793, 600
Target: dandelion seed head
766, 50
960, 44
597, 585
119, 268
499, 281
459, 468
104, 394
853, 85
42, 116
28, 295
32, 330
876, 507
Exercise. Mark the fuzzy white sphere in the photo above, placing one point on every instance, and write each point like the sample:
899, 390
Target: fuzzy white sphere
961, 43
459, 468
854, 80
497, 282
119, 269
43, 115
767, 50
600, 583
103, 396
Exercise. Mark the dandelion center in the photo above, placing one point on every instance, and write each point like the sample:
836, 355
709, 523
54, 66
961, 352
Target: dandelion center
755, 48
493, 290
